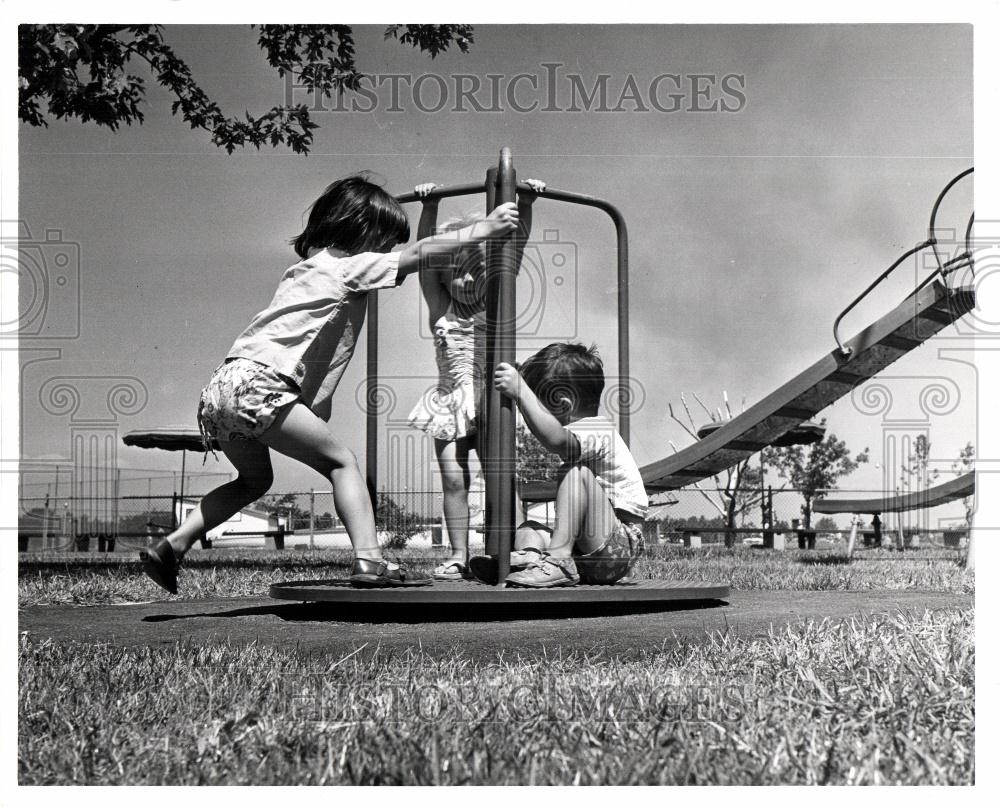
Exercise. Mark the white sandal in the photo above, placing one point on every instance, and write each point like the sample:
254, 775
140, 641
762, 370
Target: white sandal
443, 572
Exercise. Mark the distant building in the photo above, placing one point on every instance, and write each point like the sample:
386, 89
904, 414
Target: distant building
247, 520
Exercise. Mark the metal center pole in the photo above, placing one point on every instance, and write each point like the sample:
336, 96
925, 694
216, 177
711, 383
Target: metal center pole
371, 400
501, 305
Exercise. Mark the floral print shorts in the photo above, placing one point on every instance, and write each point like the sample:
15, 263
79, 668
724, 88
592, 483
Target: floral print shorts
614, 560
242, 400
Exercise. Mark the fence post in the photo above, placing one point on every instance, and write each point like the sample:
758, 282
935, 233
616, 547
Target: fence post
45, 519
118, 493
767, 515
855, 523
650, 532
312, 518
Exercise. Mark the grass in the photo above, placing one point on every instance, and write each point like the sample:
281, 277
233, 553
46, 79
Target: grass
93, 580
879, 700
876, 700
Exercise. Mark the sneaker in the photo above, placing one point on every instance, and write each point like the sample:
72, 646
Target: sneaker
379, 574
484, 567
161, 564
548, 572
523, 558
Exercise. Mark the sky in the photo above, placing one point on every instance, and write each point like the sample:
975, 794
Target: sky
749, 229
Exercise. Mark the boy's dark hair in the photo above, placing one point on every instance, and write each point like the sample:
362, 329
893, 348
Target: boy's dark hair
565, 369
354, 215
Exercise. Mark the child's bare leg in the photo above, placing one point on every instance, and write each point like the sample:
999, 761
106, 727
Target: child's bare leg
453, 462
301, 435
584, 515
253, 465
529, 536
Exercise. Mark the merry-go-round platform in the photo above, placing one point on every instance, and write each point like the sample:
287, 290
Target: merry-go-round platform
470, 592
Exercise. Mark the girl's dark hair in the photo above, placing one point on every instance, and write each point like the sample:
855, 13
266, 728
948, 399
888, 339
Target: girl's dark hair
354, 215
565, 370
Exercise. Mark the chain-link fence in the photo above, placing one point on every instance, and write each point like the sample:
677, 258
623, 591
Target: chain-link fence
746, 516
308, 518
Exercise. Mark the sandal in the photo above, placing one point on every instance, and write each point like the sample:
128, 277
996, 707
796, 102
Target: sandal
161, 564
452, 570
377, 574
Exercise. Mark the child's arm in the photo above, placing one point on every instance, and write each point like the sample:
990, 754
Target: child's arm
433, 284
428, 210
429, 252
525, 200
463, 287
542, 423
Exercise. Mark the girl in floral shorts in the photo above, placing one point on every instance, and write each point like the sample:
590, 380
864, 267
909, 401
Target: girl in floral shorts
274, 390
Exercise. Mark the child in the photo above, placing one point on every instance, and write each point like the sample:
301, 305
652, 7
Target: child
455, 297
600, 499
274, 389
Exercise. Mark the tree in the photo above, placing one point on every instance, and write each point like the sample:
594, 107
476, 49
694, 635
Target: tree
80, 71
400, 524
915, 469
814, 468
535, 463
826, 524
966, 462
741, 489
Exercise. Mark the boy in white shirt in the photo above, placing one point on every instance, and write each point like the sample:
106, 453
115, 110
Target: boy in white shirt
600, 501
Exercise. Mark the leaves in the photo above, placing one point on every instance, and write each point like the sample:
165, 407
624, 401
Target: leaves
916, 468
80, 71
394, 519
818, 467
966, 459
535, 463
432, 39
321, 57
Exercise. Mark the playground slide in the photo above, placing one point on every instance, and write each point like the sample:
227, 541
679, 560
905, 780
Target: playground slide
957, 488
920, 316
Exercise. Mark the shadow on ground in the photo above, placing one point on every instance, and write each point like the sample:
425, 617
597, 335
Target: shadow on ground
415, 614
843, 560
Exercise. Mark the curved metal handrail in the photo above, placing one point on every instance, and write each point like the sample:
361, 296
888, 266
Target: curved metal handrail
442, 192
968, 242
430, 200
954, 264
621, 234
931, 231
846, 350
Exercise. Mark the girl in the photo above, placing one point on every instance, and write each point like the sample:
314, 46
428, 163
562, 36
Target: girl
455, 297
274, 389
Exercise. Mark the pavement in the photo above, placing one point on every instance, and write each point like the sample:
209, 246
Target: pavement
483, 632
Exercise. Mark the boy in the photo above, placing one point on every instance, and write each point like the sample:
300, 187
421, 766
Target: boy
600, 499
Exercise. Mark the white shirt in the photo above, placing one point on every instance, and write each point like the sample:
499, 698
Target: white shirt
309, 330
603, 451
